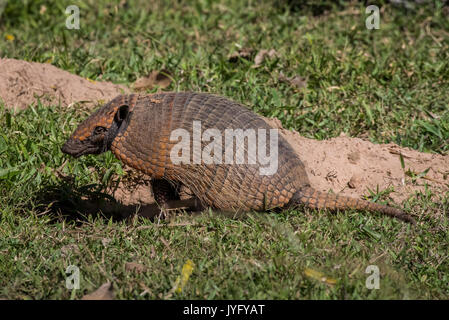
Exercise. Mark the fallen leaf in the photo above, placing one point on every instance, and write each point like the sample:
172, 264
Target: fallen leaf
69, 248
105, 292
159, 79
317, 275
262, 54
105, 242
181, 281
135, 267
297, 81
244, 53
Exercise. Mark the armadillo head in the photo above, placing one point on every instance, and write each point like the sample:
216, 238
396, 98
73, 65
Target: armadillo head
96, 133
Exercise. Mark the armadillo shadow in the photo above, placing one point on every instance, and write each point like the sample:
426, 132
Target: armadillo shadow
68, 202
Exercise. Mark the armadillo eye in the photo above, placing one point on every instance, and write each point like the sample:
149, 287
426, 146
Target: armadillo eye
99, 130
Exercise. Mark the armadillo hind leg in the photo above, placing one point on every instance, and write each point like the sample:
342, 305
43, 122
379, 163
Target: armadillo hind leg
312, 198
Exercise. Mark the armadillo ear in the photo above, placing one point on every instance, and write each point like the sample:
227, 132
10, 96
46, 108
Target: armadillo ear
122, 113
120, 123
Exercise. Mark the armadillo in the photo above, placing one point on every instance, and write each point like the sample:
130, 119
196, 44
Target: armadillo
138, 129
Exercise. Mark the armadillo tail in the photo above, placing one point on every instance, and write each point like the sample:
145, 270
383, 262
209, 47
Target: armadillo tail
319, 200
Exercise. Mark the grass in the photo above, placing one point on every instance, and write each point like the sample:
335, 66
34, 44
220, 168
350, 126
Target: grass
386, 85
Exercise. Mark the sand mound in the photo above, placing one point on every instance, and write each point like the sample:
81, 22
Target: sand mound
350, 166
21, 83
346, 165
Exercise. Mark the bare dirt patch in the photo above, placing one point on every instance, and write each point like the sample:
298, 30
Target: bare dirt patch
22, 83
345, 165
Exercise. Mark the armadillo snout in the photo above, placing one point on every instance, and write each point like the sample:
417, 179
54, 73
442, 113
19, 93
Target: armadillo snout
76, 148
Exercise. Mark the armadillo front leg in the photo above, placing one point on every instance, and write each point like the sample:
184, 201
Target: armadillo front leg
163, 192
167, 197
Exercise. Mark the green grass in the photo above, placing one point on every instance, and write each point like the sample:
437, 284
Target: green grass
386, 85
